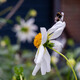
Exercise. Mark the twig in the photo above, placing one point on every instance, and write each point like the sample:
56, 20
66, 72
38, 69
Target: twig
12, 12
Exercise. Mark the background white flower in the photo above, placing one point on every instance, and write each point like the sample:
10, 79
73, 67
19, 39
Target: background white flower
26, 30
77, 68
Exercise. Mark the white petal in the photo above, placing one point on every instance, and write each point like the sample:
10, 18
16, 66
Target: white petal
32, 33
47, 59
57, 45
44, 34
55, 27
22, 22
36, 69
34, 27
30, 21
36, 55
62, 40
40, 54
21, 36
43, 67
57, 33
17, 28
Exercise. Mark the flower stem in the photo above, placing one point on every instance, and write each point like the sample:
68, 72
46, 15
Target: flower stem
68, 76
57, 71
67, 61
21, 77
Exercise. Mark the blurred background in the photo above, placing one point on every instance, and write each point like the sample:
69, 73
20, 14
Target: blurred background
16, 48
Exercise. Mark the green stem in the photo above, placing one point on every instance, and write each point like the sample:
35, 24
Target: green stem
27, 16
67, 61
21, 77
57, 71
68, 76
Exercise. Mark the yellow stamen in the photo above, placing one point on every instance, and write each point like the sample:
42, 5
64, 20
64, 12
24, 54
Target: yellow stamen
37, 40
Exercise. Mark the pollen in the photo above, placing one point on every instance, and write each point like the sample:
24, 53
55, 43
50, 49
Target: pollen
37, 40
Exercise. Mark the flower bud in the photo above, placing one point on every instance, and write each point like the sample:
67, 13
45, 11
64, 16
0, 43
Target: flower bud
72, 62
3, 43
54, 59
33, 13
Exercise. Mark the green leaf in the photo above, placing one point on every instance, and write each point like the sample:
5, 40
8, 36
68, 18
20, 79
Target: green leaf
18, 18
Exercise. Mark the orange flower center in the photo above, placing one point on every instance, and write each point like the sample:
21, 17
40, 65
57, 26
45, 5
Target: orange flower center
37, 40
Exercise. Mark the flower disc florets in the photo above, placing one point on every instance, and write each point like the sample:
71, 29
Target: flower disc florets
37, 41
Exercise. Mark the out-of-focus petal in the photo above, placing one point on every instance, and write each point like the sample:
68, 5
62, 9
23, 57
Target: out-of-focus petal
30, 21
77, 68
36, 69
34, 27
57, 45
21, 36
32, 34
17, 28
22, 22
40, 54
47, 59
44, 34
